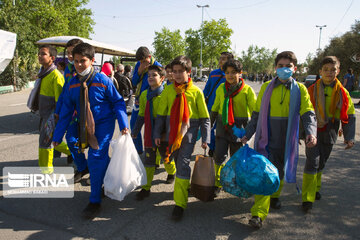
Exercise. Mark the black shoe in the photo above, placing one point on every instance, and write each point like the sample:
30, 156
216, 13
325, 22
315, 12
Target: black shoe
91, 210
255, 222
177, 213
317, 196
189, 192
307, 206
211, 153
103, 192
275, 203
57, 154
217, 191
69, 159
142, 194
78, 175
170, 179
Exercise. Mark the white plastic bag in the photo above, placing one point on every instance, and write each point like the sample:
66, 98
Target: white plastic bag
125, 171
33, 100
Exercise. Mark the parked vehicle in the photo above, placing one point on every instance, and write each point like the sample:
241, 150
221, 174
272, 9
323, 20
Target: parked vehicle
203, 78
309, 80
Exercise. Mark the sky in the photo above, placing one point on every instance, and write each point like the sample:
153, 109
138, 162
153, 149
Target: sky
284, 25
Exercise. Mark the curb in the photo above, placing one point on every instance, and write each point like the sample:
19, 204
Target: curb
11, 88
6, 89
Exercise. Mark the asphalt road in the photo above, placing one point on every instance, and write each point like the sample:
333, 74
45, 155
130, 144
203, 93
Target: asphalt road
335, 216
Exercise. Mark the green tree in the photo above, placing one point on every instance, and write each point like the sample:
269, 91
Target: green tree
258, 59
192, 48
168, 45
37, 19
343, 47
216, 39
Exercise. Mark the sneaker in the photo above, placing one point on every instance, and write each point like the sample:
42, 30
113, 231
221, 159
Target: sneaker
69, 159
78, 175
91, 210
317, 196
255, 222
307, 206
142, 194
170, 179
211, 153
177, 213
275, 203
217, 191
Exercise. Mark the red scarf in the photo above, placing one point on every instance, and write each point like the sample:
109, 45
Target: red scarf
179, 120
228, 110
317, 98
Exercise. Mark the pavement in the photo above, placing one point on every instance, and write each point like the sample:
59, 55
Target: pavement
335, 216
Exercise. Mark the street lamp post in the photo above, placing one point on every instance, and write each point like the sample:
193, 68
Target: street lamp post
201, 42
321, 27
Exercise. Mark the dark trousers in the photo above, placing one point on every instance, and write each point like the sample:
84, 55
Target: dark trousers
316, 157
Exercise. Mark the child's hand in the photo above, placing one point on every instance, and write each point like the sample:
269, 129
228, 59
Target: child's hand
143, 66
349, 144
310, 141
340, 132
204, 145
124, 131
244, 140
157, 142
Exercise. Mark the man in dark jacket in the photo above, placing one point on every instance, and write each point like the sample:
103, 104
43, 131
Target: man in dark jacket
123, 82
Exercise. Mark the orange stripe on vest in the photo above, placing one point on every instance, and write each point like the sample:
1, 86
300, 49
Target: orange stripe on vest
74, 85
98, 85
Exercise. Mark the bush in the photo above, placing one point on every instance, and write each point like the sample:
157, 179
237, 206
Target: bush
26, 71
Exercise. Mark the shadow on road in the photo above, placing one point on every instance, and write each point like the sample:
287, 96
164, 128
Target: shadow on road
19, 123
335, 216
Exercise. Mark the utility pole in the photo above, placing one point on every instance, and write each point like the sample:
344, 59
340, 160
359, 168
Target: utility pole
202, 32
321, 27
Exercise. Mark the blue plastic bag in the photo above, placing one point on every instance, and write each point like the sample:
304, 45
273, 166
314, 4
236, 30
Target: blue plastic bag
228, 181
254, 172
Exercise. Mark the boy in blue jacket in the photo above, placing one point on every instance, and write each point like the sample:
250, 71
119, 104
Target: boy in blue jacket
97, 103
71, 140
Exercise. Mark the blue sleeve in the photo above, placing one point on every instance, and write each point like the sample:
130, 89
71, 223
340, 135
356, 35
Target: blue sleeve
156, 63
67, 110
119, 107
136, 78
207, 88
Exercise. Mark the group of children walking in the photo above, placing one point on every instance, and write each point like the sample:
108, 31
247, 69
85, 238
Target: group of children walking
173, 111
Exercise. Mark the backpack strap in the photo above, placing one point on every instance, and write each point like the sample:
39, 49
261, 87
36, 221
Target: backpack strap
213, 88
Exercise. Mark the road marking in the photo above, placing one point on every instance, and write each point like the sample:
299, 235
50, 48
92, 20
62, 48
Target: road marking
16, 104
